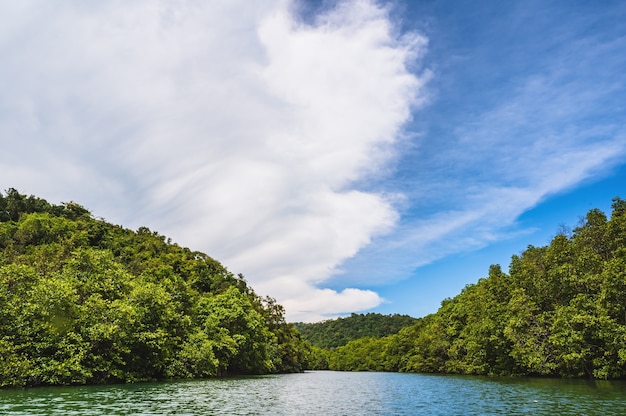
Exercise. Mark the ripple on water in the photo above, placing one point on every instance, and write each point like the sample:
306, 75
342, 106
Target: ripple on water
326, 393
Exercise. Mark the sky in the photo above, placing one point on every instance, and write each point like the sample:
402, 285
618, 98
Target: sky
344, 156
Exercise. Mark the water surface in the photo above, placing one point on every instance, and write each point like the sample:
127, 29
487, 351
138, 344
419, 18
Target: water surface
327, 393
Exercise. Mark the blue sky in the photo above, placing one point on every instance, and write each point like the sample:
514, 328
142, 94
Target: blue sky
520, 93
345, 156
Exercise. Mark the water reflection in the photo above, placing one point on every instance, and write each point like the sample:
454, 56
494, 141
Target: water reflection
327, 393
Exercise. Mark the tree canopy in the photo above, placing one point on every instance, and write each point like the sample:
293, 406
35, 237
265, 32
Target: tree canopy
337, 332
560, 311
86, 301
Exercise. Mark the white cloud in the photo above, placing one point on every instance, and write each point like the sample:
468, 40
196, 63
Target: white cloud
305, 303
240, 130
544, 136
232, 127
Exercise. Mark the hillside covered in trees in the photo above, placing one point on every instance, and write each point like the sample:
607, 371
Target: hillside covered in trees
560, 311
85, 301
337, 332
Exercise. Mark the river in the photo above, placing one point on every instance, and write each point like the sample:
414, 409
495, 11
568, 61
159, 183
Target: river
327, 393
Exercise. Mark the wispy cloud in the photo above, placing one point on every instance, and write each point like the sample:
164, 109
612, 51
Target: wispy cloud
277, 143
549, 131
235, 128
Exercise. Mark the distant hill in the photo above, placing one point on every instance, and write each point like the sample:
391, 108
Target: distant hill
337, 332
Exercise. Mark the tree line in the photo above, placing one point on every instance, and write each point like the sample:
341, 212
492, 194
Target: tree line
334, 333
85, 301
560, 311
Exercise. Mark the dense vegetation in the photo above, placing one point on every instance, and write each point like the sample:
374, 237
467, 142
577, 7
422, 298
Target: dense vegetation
85, 301
560, 311
337, 332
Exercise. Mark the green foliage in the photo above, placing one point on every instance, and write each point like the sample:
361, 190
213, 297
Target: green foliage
85, 301
337, 332
364, 354
560, 312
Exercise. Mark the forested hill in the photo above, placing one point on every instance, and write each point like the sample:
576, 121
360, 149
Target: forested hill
560, 311
337, 332
85, 301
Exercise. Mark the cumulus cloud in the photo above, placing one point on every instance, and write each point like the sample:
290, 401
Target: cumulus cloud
233, 127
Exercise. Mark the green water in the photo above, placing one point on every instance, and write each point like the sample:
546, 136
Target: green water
327, 393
